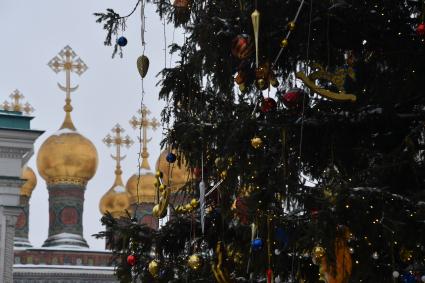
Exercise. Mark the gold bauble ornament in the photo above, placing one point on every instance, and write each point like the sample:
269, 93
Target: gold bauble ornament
261, 84
194, 262
161, 188
242, 87
153, 268
284, 43
155, 210
256, 142
188, 207
291, 25
223, 174
318, 253
219, 162
194, 203
406, 255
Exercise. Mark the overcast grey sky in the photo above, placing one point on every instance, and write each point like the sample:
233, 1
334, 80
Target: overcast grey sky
109, 92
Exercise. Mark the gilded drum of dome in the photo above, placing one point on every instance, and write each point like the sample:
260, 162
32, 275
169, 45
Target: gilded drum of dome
68, 155
30, 183
147, 190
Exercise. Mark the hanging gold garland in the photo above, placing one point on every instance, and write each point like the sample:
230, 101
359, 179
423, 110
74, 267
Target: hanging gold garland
339, 272
337, 79
220, 272
160, 209
188, 207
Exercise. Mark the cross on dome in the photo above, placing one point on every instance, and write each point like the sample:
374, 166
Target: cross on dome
67, 61
144, 124
16, 103
118, 141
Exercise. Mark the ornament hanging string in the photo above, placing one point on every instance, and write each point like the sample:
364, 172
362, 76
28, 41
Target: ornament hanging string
288, 34
165, 43
303, 112
139, 157
306, 71
143, 23
269, 252
202, 194
172, 42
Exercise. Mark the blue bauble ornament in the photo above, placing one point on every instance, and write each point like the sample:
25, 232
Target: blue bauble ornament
409, 278
122, 41
281, 237
171, 157
257, 244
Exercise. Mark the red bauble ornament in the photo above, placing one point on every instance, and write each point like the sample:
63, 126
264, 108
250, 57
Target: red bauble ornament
197, 172
241, 210
268, 105
421, 29
242, 46
314, 213
181, 3
131, 260
293, 98
269, 275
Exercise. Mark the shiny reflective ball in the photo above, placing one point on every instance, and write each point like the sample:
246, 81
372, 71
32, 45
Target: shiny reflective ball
171, 157
293, 98
318, 253
261, 84
153, 268
269, 104
257, 244
122, 41
155, 210
256, 142
194, 203
284, 43
131, 260
194, 262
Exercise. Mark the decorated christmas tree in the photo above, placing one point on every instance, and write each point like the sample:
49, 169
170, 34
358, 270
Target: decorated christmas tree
302, 126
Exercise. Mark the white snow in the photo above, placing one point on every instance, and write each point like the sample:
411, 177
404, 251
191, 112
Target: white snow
119, 189
64, 131
67, 269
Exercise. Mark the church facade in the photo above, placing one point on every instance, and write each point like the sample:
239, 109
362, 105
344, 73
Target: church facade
66, 160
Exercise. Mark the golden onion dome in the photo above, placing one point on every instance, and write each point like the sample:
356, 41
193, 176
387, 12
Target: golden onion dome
142, 189
116, 200
30, 183
67, 156
180, 175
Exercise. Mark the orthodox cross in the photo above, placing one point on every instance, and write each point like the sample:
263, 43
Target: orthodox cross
66, 61
118, 141
144, 124
16, 104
